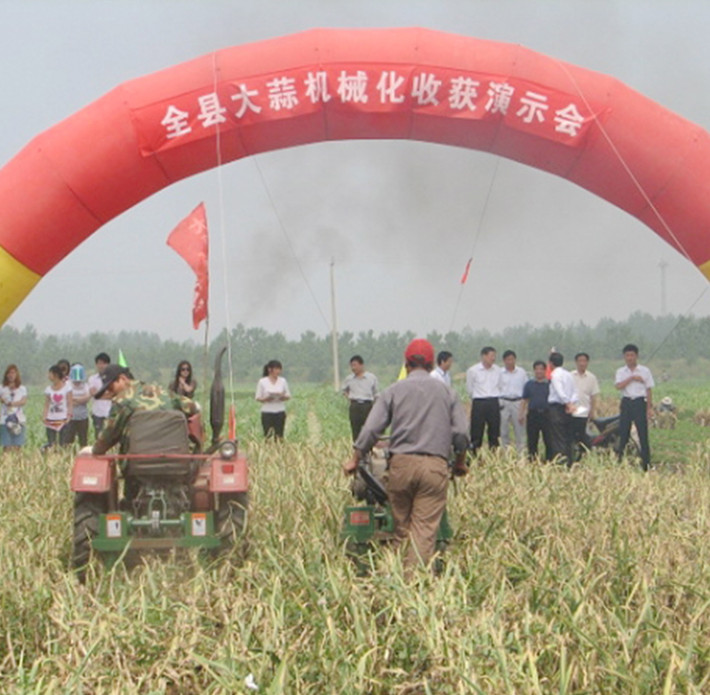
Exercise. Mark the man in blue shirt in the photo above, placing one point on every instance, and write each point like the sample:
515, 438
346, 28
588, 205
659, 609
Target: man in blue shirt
535, 409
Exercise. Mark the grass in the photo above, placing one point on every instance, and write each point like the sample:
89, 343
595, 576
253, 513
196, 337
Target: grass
595, 580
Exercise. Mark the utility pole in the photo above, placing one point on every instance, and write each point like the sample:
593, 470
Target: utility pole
334, 328
663, 265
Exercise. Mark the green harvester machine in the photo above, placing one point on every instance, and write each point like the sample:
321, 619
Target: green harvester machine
370, 524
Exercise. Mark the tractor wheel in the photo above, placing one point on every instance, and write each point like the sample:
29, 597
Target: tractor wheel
87, 508
231, 521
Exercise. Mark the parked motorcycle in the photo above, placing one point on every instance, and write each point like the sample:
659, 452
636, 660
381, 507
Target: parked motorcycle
608, 437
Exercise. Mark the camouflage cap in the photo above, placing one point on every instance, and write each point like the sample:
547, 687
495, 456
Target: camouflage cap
109, 375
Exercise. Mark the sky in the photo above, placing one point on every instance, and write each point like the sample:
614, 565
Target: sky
398, 219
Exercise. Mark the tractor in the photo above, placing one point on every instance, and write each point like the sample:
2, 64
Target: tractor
164, 493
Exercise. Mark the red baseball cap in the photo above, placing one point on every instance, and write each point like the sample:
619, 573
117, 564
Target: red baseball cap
420, 348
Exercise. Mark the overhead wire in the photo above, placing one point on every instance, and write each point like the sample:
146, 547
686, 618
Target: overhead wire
623, 162
291, 247
479, 226
675, 326
223, 237
476, 238
640, 189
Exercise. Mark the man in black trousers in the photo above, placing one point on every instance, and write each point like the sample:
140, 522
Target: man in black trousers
635, 383
562, 401
483, 385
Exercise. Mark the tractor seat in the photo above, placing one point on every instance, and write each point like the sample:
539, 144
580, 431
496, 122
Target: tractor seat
158, 432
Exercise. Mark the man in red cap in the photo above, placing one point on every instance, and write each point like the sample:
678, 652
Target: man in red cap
426, 420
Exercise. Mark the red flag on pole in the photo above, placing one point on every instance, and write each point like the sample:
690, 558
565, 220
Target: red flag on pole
190, 240
464, 277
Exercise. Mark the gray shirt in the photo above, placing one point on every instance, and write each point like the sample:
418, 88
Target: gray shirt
425, 415
512, 383
361, 388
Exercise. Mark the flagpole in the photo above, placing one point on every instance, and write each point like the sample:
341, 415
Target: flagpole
206, 361
334, 328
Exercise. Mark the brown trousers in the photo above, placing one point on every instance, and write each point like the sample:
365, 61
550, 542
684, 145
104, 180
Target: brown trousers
416, 488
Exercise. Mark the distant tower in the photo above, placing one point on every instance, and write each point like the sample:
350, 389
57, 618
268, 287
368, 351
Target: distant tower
664, 308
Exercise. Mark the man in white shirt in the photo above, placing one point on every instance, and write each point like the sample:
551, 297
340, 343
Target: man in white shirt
512, 383
635, 383
483, 386
444, 360
563, 401
587, 387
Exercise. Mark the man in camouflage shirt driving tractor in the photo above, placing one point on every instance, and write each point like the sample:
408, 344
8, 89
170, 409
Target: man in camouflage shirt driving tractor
128, 396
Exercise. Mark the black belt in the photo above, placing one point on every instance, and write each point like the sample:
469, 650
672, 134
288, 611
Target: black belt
637, 398
355, 400
490, 398
504, 398
557, 405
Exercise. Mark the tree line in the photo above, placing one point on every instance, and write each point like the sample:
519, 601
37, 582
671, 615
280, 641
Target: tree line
308, 358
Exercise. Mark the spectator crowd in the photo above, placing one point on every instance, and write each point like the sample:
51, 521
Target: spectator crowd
545, 415
552, 407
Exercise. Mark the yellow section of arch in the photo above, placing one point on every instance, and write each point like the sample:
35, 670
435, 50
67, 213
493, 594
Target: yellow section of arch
16, 282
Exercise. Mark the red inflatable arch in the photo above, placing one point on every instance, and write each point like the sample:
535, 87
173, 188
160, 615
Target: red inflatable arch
329, 84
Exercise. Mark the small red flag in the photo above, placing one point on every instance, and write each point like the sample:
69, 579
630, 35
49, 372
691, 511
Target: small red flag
464, 277
190, 240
